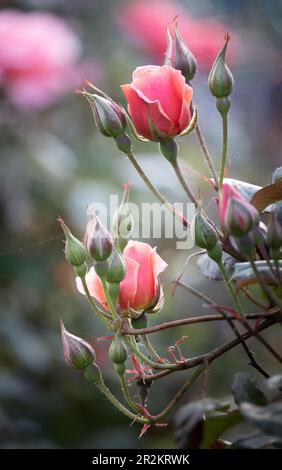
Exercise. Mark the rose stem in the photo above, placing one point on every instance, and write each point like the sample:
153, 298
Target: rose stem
155, 191
224, 119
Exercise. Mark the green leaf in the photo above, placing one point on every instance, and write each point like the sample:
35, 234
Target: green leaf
246, 389
268, 418
216, 425
267, 195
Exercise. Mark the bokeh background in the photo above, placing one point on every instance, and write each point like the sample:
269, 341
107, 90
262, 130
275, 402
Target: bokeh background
54, 162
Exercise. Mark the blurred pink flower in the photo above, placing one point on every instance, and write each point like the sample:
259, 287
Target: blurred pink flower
146, 21
38, 58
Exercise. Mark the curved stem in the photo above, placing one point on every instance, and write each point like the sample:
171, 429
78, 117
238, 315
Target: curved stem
146, 360
180, 393
149, 346
120, 406
184, 184
207, 155
126, 394
231, 289
224, 118
155, 191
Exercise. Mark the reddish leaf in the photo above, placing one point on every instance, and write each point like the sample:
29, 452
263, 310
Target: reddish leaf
267, 195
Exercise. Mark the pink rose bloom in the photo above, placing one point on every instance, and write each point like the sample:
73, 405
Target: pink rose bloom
140, 287
158, 94
147, 20
237, 216
38, 58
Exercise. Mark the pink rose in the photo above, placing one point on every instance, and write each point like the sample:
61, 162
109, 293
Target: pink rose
237, 216
146, 21
158, 95
38, 58
140, 287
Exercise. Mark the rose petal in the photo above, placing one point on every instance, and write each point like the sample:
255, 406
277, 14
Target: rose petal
163, 84
94, 285
128, 286
185, 111
138, 111
141, 252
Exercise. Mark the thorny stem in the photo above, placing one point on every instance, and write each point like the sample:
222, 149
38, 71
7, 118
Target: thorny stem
155, 191
224, 119
232, 292
184, 184
247, 316
126, 394
184, 321
230, 289
208, 358
149, 346
206, 154
120, 406
145, 359
180, 393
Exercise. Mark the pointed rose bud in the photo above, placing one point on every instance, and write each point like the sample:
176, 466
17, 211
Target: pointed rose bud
98, 240
75, 252
221, 80
204, 231
109, 116
183, 57
237, 215
274, 232
123, 222
118, 351
78, 353
116, 269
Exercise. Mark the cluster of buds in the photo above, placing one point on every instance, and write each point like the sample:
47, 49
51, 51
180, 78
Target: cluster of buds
206, 236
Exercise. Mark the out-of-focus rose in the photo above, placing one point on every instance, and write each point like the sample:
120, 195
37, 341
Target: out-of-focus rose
146, 21
38, 58
236, 214
140, 287
158, 97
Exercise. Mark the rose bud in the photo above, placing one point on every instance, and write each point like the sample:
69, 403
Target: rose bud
78, 353
158, 102
140, 285
274, 232
109, 116
205, 232
74, 250
236, 214
221, 80
179, 56
118, 351
116, 268
98, 240
123, 222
